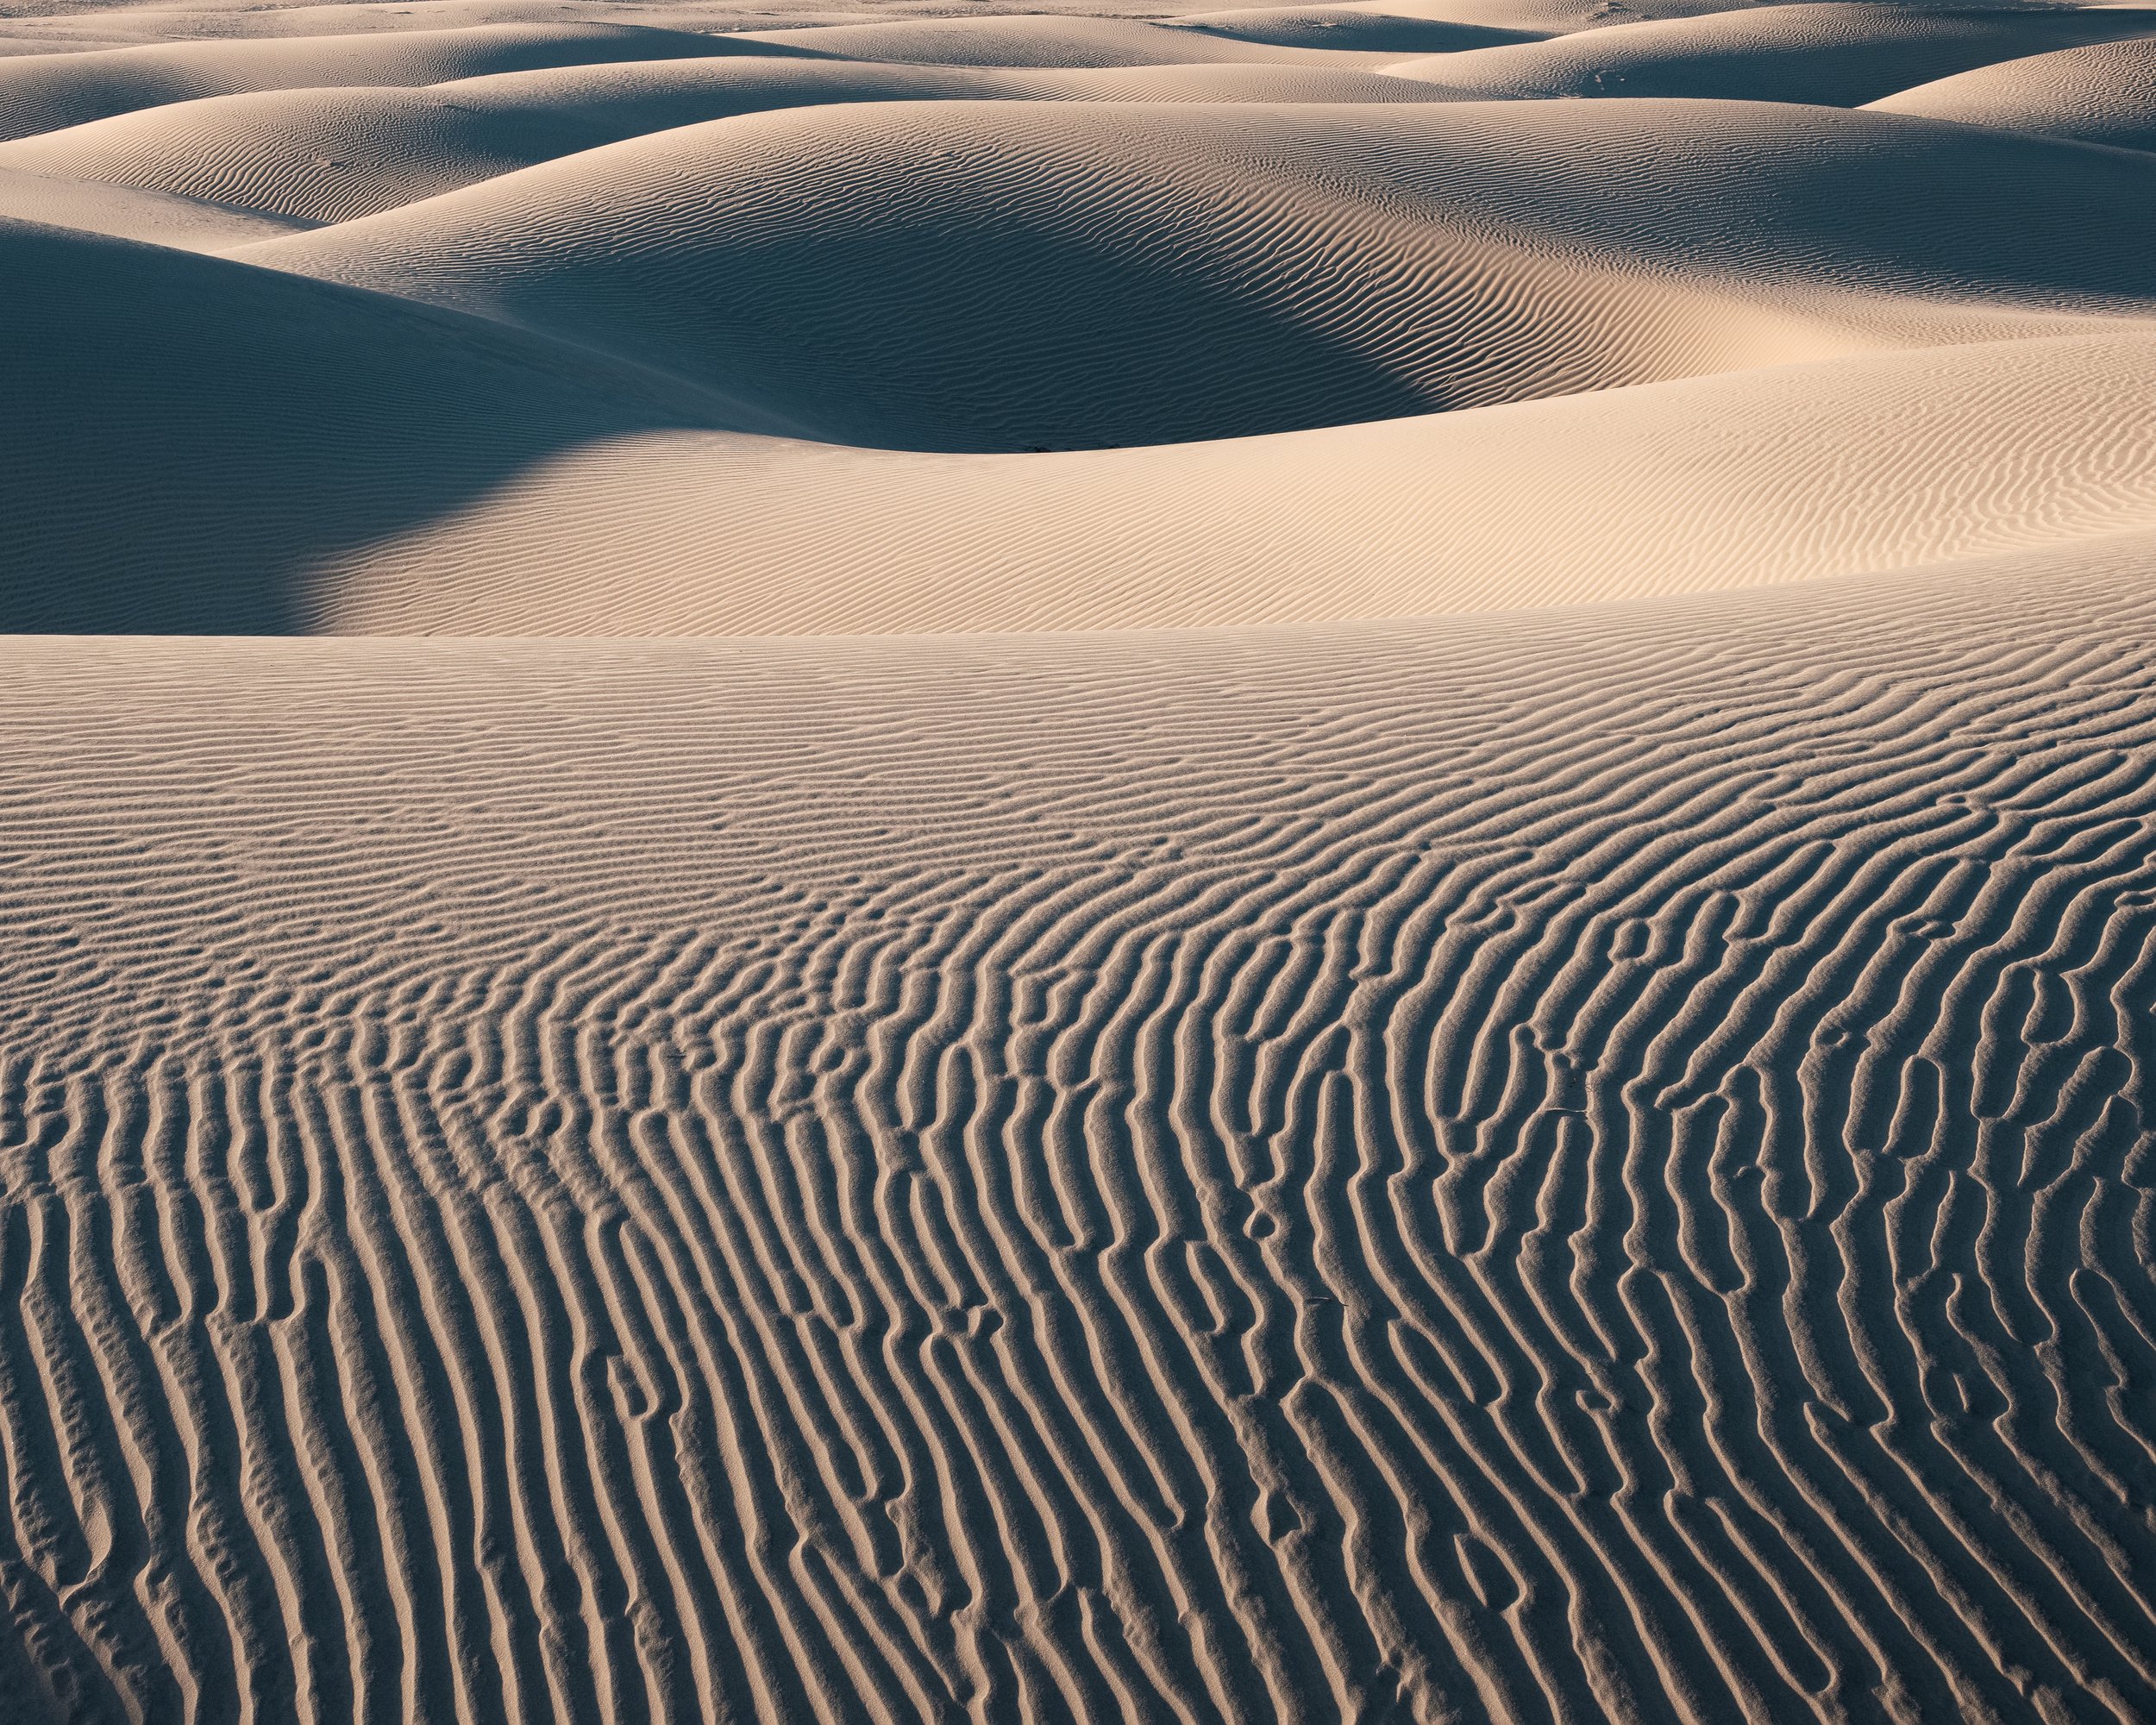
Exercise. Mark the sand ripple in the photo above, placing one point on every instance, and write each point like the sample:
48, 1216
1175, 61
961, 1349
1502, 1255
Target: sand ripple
1592, 1168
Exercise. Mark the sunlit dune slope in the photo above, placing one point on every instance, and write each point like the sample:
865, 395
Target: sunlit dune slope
1839, 55
329, 155
162, 218
2100, 95
1872, 464
1009, 276
319, 459
43, 92
1077, 862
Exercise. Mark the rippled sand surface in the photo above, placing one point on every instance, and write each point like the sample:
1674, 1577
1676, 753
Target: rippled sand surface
937, 865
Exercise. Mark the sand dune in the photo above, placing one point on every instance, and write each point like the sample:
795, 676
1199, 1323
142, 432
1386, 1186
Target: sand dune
1038, 41
1376, 24
261, 420
2100, 95
537, 503
1015, 276
43, 92
1587, 1166
1838, 54
158, 217
1239, 876
1881, 463
329, 155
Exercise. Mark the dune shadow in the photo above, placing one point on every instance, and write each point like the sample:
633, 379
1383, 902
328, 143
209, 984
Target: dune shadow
197, 439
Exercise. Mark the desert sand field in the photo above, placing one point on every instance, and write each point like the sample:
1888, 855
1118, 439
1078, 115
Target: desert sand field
960, 864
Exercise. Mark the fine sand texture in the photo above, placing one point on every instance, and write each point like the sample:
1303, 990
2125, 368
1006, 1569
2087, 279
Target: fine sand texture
1043, 861
2101, 95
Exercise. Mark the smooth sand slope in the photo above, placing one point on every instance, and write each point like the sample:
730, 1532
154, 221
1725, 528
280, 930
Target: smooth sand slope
1014, 276
1387, 25
1037, 41
475, 485
160, 218
327, 155
43, 92
1588, 1165
2101, 95
1243, 877
1839, 55
260, 421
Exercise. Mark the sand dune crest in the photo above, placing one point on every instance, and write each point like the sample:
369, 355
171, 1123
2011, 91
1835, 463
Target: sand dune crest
2101, 95
1014, 276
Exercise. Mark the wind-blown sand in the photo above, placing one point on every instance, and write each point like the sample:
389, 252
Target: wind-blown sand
1264, 865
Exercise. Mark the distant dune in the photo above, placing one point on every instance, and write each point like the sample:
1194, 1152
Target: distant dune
1839, 55
1292, 864
1011, 276
2100, 95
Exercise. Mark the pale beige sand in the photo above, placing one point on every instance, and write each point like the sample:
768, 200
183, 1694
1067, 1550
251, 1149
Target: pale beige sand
1841, 53
1022, 42
2100, 95
1012, 276
1381, 946
43, 92
95, 205
331, 155
1391, 26
476, 485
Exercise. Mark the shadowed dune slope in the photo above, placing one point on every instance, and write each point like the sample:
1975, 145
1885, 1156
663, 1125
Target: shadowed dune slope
1838, 54
204, 428
43, 92
534, 507
1012, 276
323, 461
1587, 1166
329, 155
2100, 95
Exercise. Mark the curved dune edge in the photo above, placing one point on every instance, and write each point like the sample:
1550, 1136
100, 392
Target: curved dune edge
1815, 471
330, 155
130, 212
43, 92
323, 459
1830, 52
2100, 95
1011, 276
1587, 1164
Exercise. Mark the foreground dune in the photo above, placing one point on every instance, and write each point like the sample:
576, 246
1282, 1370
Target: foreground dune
1239, 874
1590, 1166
